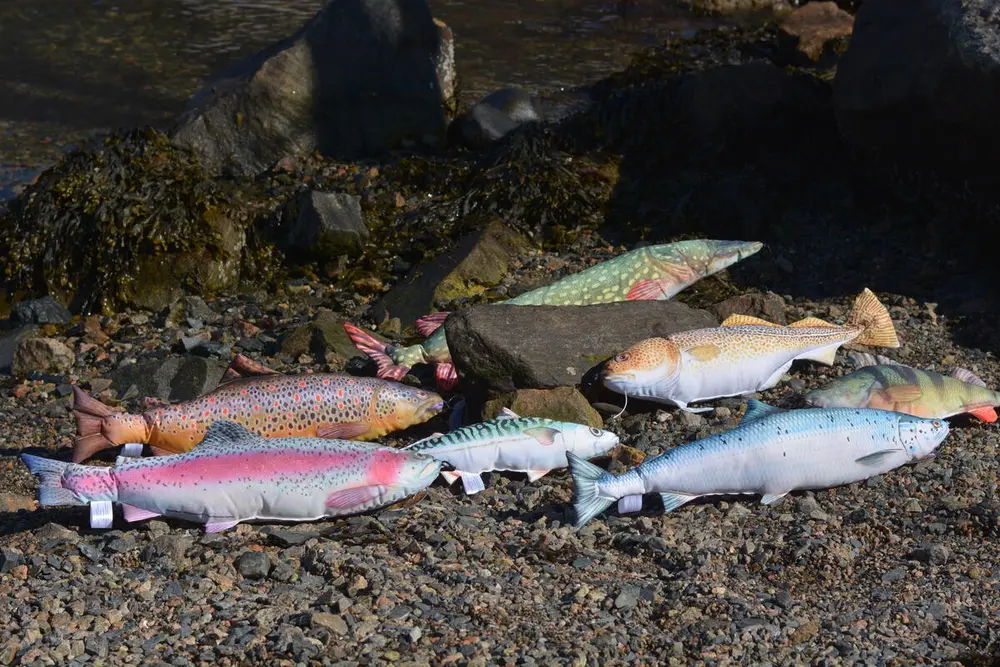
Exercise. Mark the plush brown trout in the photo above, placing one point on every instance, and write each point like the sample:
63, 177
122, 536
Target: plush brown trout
325, 405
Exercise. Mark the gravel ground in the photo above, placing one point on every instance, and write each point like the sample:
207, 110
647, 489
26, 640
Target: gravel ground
897, 570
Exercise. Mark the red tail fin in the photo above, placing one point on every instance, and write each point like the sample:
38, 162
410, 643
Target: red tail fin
428, 324
90, 414
375, 349
446, 376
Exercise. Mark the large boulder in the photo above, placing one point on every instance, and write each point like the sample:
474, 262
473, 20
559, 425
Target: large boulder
360, 77
498, 347
174, 379
562, 404
919, 86
43, 355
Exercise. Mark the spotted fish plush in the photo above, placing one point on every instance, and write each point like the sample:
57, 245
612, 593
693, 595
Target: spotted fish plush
235, 475
652, 273
325, 405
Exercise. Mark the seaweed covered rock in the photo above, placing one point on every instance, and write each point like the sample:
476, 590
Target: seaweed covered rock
919, 88
358, 78
132, 222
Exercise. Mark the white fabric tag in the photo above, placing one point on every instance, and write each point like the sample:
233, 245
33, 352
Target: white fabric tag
132, 449
102, 514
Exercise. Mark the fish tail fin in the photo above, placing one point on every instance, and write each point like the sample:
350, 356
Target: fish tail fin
376, 349
90, 415
50, 473
586, 502
873, 319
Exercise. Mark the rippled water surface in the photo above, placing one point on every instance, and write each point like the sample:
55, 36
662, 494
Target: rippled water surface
72, 69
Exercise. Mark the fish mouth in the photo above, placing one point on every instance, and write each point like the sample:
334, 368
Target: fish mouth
617, 377
428, 410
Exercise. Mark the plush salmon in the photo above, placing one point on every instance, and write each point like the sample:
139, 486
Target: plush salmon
885, 384
744, 355
325, 405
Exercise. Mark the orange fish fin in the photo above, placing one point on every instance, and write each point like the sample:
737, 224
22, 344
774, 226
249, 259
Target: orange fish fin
649, 290
871, 317
86, 446
428, 324
968, 377
704, 352
903, 393
343, 430
988, 415
813, 322
738, 320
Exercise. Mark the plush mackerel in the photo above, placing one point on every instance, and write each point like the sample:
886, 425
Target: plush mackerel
885, 384
743, 356
530, 445
770, 453
653, 273
234, 476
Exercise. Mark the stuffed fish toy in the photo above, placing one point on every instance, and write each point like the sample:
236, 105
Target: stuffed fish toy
234, 476
531, 445
770, 453
325, 405
888, 385
742, 356
652, 273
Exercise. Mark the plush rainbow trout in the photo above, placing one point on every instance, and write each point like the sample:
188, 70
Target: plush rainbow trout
888, 385
325, 405
531, 445
743, 356
234, 476
653, 273
770, 453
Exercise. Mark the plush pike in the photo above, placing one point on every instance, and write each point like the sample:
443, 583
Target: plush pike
771, 453
653, 273
234, 476
530, 445
888, 385
744, 355
325, 405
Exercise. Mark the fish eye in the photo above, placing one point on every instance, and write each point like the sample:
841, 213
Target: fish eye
936, 423
621, 357
595, 431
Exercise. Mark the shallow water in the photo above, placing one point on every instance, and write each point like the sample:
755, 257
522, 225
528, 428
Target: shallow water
70, 69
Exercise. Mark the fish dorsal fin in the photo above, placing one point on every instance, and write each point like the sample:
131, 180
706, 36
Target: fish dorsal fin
864, 359
758, 409
968, 377
813, 322
738, 320
224, 433
507, 413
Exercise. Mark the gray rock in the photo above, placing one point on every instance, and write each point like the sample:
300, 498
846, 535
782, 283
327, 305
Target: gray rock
328, 224
324, 335
919, 86
9, 342
626, 599
177, 378
931, 553
360, 77
770, 307
40, 311
253, 564
44, 355
494, 116
511, 347
9, 559
188, 308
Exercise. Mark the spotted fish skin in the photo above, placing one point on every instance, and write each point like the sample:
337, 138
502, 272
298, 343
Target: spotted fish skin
771, 452
651, 273
320, 404
909, 390
234, 476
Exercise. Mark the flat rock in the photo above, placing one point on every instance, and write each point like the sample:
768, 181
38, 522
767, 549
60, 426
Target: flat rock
40, 311
562, 404
176, 378
815, 25
480, 260
44, 355
495, 116
360, 77
327, 225
540, 347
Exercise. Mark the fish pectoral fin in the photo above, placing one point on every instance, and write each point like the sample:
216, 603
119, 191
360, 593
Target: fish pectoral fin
738, 320
812, 322
771, 498
876, 458
967, 376
988, 415
535, 475
688, 408
629, 504
545, 435
343, 430
472, 483
219, 526
133, 513
672, 501
825, 355
704, 352
507, 413
903, 393
358, 496
649, 290
758, 409
451, 476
